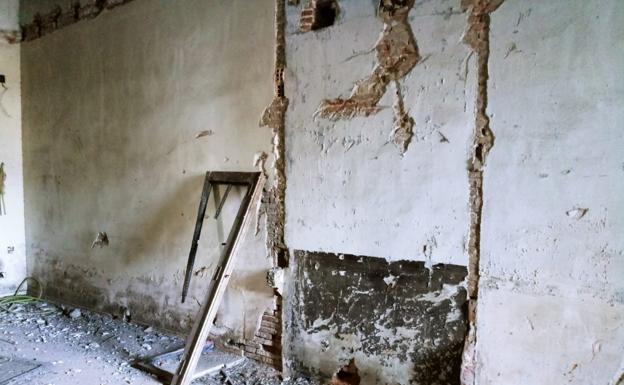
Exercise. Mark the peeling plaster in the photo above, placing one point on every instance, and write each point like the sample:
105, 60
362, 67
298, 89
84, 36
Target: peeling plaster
403, 322
397, 54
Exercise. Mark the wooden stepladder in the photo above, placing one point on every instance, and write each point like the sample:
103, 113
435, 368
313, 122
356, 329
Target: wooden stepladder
254, 182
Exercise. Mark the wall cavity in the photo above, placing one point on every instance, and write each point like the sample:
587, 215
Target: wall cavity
318, 14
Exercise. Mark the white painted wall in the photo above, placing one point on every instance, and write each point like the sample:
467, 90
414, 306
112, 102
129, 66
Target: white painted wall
112, 108
12, 245
551, 305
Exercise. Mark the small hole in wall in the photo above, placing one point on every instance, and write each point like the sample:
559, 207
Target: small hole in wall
325, 14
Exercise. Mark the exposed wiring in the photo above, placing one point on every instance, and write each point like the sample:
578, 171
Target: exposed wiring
21, 299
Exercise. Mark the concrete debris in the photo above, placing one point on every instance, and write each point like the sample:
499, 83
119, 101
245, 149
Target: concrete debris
101, 240
98, 349
74, 314
347, 375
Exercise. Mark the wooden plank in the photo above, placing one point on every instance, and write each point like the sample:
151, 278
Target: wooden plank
210, 362
201, 212
234, 178
195, 342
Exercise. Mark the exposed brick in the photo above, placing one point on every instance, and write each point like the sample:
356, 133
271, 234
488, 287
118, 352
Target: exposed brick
270, 318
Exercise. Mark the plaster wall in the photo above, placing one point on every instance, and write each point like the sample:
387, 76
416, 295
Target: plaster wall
351, 191
550, 302
9, 15
114, 107
552, 257
349, 188
12, 244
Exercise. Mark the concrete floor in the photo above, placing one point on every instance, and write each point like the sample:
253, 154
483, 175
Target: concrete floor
92, 349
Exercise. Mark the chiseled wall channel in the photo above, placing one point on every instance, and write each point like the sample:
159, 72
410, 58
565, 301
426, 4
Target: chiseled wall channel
113, 107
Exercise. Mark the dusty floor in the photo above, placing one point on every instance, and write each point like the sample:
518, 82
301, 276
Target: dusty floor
91, 348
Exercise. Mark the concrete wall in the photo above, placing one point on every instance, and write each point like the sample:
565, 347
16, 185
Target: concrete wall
12, 245
112, 109
552, 292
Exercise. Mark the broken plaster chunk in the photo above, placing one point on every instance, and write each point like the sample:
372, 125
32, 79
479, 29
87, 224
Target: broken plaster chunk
101, 240
75, 314
577, 213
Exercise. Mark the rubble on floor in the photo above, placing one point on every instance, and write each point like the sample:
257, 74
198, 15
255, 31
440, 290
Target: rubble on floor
73, 346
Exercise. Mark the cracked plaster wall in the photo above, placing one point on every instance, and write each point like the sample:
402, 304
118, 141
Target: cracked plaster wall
550, 300
115, 105
402, 322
